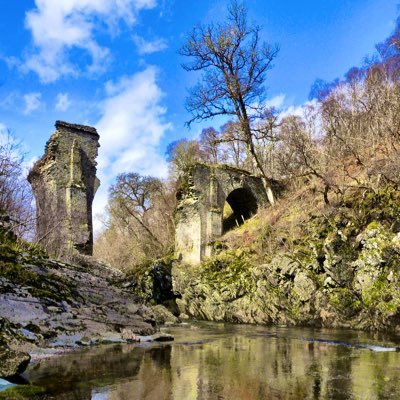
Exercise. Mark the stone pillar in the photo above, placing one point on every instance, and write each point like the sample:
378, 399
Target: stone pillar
188, 224
188, 238
214, 217
64, 183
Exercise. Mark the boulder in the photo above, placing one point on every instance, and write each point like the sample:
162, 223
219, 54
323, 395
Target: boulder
12, 362
163, 316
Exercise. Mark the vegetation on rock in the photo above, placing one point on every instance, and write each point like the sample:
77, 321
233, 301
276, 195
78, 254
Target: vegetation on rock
340, 268
52, 303
327, 253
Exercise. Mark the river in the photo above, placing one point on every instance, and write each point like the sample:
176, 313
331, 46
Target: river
224, 361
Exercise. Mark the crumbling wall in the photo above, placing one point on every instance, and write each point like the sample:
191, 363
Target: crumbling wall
201, 199
64, 183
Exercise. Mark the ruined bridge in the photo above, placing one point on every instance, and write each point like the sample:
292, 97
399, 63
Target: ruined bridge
64, 183
200, 210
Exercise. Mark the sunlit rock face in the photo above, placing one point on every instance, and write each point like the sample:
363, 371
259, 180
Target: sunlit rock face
64, 183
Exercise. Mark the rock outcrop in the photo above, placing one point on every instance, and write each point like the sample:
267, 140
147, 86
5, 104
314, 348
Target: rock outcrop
344, 271
64, 183
49, 304
58, 304
12, 362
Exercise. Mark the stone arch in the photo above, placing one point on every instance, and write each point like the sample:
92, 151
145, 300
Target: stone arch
201, 199
243, 205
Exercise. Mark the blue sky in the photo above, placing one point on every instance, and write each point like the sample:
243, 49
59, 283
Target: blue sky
114, 64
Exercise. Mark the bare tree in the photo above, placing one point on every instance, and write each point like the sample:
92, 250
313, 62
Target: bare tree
234, 149
234, 63
140, 225
183, 153
300, 155
210, 145
16, 200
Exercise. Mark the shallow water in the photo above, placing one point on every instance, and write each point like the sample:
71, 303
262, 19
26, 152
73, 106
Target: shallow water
222, 361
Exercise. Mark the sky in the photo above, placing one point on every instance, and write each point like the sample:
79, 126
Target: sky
114, 64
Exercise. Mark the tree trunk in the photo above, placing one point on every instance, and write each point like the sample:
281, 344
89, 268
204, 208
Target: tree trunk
265, 180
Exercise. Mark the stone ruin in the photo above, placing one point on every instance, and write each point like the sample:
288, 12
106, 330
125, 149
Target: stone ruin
64, 183
200, 211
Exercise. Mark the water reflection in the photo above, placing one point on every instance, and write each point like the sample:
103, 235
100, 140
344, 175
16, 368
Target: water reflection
210, 361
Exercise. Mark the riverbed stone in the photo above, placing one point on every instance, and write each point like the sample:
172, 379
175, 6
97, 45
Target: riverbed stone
60, 304
12, 362
162, 315
162, 337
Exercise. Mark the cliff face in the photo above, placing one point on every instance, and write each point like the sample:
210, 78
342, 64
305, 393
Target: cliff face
64, 183
342, 270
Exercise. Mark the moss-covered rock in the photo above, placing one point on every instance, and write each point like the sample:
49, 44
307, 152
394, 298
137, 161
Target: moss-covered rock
342, 270
12, 362
23, 392
44, 303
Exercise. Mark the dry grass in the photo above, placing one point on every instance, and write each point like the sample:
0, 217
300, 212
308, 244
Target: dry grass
278, 228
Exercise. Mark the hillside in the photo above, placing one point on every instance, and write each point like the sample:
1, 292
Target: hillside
302, 262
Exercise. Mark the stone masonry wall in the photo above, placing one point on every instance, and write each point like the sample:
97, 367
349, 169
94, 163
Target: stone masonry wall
199, 213
64, 183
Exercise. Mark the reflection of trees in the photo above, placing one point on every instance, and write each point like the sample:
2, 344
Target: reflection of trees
235, 365
161, 356
73, 376
376, 375
153, 381
314, 370
340, 374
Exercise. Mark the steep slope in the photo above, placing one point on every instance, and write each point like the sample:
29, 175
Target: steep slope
299, 264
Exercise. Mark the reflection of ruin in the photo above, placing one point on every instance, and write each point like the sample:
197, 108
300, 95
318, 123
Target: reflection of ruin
200, 211
64, 183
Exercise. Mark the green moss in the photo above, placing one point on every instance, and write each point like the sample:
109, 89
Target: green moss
150, 279
140, 270
387, 308
294, 311
168, 258
228, 268
375, 204
343, 300
17, 274
380, 291
23, 392
219, 246
9, 251
49, 286
13, 248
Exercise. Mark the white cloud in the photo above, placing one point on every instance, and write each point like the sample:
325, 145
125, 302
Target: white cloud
58, 26
277, 101
298, 111
130, 128
4, 134
17, 149
62, 102
149, 47
32, 102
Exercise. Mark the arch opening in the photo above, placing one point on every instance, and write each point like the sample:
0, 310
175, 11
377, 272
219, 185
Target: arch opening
240, 205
